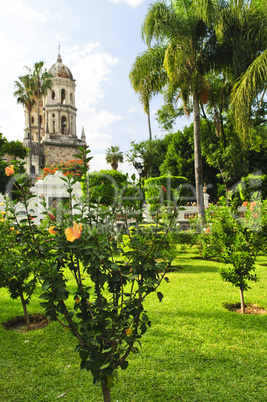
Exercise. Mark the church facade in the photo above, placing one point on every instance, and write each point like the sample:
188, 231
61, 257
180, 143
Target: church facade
57, 116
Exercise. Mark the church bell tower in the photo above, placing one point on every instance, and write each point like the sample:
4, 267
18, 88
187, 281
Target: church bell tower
59, 141
60, 104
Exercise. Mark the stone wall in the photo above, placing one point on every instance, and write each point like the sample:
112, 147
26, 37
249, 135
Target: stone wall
56, 153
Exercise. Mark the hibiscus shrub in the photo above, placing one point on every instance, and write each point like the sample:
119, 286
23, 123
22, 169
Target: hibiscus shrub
105, 311
18, 268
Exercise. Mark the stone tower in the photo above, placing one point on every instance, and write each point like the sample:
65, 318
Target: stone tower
57, 111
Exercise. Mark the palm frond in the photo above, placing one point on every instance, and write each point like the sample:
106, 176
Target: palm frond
251, 84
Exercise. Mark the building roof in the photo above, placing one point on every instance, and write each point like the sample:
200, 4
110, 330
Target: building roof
60, 70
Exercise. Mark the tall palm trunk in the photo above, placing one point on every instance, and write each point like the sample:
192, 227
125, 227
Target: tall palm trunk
39, 135
198, 158
30, 137
149, 125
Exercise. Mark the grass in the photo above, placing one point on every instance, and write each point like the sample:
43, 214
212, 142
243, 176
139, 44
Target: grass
196, 350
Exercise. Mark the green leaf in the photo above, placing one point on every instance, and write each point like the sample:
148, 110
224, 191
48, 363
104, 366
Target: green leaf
46, 286
45, 296
83, 364
89, 365
83, 354
124, 365
114, 267
107, 350
160, 296
105, 366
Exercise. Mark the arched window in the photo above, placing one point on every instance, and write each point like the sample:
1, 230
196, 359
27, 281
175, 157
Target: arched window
63, 125
63, 96
32, 120
71, 99
53, 123
71, 125
53, 95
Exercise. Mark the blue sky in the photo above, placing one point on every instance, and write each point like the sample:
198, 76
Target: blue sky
99, 40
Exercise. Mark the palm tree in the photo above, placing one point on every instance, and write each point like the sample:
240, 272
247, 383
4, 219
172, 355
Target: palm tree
251, 83
25, 96
114, 156
147, 78
42, 82
184, 29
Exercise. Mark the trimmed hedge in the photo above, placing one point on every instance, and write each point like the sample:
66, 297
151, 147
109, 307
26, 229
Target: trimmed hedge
105, 185
166, 189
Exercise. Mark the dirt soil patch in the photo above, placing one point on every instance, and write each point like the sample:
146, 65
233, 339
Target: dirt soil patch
37, 321
249, 308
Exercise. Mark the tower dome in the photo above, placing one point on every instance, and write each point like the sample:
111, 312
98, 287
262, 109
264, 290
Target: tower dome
60, 70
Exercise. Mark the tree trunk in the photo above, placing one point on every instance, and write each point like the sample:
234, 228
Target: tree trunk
106, 393
149, 126
114, 165
30, 138
242, 301
26, 315
198, 157
39, 135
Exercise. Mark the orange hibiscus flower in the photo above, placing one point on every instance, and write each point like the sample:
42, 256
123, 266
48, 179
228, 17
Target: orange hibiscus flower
9, 170
74, 232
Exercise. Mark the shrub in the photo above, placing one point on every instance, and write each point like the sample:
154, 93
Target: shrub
18, 271
105, 186
235, 241
248, 187
166, 190
105, 311
71, 167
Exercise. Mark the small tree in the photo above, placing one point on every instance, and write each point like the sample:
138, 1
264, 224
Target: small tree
236, 241
113, 276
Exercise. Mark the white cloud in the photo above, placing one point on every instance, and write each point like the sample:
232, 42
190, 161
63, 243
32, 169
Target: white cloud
133, 3
17, 8
99, 119
99, 163
131, 130
98, 141
96, 125
134, 110
90, 66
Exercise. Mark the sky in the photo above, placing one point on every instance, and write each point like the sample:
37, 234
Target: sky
99, 41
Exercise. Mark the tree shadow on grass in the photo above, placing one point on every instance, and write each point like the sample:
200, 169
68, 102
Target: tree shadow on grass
230, 319
197, 268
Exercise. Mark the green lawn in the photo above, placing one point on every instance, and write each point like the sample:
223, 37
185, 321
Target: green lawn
196, 350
